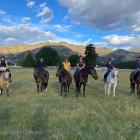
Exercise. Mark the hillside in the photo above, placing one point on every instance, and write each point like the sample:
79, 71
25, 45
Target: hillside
19, 52
120, 55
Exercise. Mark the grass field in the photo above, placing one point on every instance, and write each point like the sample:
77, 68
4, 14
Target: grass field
28, 116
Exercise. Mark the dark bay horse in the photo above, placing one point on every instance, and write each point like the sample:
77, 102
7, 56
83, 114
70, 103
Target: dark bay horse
64, 79
82, 78
135, 82
4, 82
41, 78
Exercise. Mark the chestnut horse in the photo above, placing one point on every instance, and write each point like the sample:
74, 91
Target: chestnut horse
4, 82
64, 79
82, 78
41, 78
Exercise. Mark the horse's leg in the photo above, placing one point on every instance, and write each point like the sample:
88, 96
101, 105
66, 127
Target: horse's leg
108, 90
0, 91
46, 88
37, 88
114, 89
61, 90
77, 88
84, 87
7, 90
132, 85
105, 88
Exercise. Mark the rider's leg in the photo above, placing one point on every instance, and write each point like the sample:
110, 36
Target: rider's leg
105, 76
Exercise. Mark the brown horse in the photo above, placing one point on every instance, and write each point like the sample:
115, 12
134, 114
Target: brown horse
4, 82
64, 79
82, 78
41, 78
134, 82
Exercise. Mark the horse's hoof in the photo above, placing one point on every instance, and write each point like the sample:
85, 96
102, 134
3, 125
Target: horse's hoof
46, 89
60, 97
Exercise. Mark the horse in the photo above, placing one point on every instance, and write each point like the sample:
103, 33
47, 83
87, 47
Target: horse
4, 82
112, 80
41, 78
82, 78
64, 79
135, 82
132, 82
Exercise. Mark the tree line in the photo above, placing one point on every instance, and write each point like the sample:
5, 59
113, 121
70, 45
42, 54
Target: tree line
52, 58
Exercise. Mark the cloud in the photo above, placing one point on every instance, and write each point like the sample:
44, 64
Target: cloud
2, 12
45, 13
26, 20
104, 14
30, 3
62, 28
119, 41
23, 34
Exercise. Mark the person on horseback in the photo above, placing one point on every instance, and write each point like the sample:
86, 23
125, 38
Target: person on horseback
109, 67
4, 67
137, 68
66, 65
80, 65
41, 67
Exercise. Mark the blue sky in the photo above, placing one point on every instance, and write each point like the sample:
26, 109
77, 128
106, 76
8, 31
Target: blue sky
73, 21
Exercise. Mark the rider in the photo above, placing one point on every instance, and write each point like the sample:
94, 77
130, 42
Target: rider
4, 67
41, 66
137, 68
109, 67
80, 65
66, 65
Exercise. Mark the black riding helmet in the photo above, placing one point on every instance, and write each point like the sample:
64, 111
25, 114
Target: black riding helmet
2, 57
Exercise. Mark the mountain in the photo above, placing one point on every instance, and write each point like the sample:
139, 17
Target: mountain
19, 52
120, 55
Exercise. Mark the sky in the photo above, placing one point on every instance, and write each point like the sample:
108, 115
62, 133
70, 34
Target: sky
105, 23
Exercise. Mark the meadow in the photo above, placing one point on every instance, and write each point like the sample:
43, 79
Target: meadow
26, 115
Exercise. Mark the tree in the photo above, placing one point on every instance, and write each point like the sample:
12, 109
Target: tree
74, 59
28, 61
50, 56
90, 55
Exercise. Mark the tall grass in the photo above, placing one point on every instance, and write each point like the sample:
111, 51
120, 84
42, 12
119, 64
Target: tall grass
25, 115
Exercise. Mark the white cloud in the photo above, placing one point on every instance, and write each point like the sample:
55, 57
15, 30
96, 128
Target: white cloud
30, 3
62, 28
26, 20
45, 13
88, 41
23, 34
119, 41
2, 12
105, 14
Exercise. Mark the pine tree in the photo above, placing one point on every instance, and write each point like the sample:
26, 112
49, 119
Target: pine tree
90, 55
28, 61
74, 59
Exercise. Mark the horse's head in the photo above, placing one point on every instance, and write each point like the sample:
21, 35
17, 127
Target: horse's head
114, 74
59, 70
92, 72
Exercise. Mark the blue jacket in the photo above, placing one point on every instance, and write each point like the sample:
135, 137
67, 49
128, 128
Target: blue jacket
40, 65
109, 66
